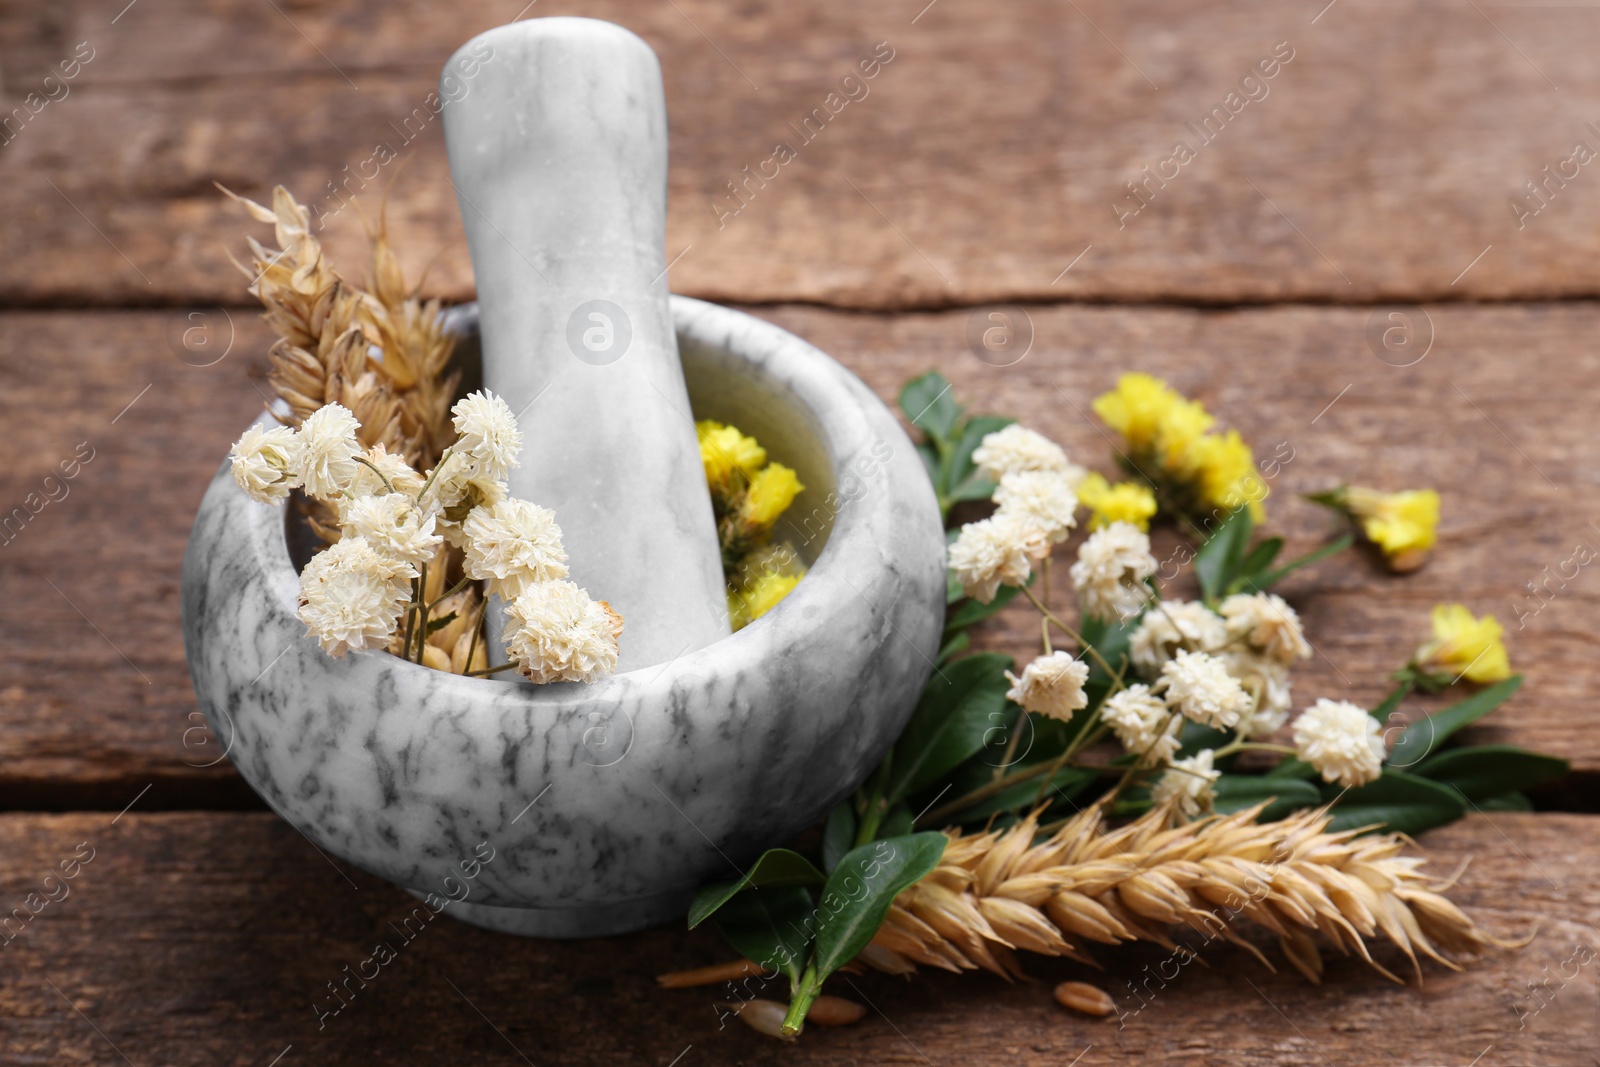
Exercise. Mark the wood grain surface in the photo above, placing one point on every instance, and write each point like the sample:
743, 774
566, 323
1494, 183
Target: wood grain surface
1379, 258
212, 939
1380, 161
95, 699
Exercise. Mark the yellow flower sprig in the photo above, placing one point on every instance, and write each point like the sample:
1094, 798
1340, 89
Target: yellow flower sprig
1130, 502
1404, 525
1170, 444
748, 496
1462, 646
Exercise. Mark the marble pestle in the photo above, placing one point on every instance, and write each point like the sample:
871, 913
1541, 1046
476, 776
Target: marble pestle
559, 157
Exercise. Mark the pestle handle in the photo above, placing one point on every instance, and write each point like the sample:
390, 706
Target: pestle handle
559, 160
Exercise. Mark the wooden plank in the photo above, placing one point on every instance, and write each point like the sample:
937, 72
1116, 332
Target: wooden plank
93, 578
1381, 163
237, 933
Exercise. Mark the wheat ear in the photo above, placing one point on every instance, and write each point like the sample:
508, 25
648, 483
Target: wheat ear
997, 892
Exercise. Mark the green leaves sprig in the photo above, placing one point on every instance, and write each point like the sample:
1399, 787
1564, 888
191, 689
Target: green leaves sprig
772, 917
951, 436
1227, 563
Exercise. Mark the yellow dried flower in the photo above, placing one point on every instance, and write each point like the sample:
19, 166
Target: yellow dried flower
1129, 502
1403, 524
747, 605
1464, 646
1142, 406
771, 492
724, 450
1183, 426
1225, 470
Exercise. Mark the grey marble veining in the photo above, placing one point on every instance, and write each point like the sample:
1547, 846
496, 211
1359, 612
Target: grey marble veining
606, 804
559, 160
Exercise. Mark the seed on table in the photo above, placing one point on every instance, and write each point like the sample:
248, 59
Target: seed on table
1085, 998
834, 1011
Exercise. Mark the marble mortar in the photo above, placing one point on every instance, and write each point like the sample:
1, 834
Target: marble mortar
607, 804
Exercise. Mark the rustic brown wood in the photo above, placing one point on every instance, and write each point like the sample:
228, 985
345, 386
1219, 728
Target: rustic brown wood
94, 577
981, 162
196, 938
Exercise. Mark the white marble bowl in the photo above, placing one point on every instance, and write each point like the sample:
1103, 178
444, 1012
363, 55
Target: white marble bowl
605, 805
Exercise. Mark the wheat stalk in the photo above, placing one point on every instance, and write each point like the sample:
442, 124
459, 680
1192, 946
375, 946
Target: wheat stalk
331, 334
997, 892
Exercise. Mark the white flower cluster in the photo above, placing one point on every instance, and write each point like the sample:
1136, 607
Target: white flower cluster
1051, 685
1225, 668
1252, 640
1341, 740
1256, 636
393, 522
1113, 566
1037, 510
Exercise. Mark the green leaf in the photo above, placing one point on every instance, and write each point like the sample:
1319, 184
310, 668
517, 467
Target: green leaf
963, 481
435, 625
1258, 559
1066, 784
1490, 770
1238, 791
930, 462
860, 890
930, 405
896, 823
838, 834
1397, 801
1272, 578
952, 648
1391, 702
776, 867
973, 611
772, 927
1217, 561
1292, 768
961, 703
1423, 737
1506, 802
1194, 737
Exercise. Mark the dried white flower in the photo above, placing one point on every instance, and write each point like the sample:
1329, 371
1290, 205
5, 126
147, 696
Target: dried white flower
1051, 685
1191, 782
555, 633
328, 451
1198, 684
1042, 496
511, 545
1171, 625
1268, 624
393, 525
1111, 571
400, 477
995, 551
1143, 723
1017, 448
351, 596
456, 492
487, 435
266, 463
1341, 740
1267, 682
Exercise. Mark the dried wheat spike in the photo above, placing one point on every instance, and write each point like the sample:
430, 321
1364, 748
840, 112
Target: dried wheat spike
998, 892
329, 331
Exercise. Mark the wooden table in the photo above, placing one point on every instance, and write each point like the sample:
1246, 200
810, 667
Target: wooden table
1379, 172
